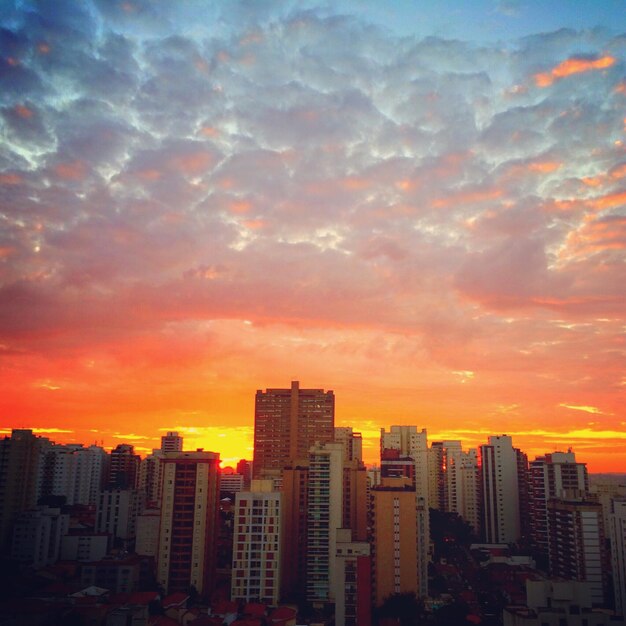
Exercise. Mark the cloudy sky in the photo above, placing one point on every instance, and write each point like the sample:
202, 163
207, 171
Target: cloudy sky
419, 205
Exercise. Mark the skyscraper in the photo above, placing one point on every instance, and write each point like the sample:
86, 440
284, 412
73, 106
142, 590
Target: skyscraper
287, 422
189, 520
500, 490
551, 476
256, 544
21, 463
617, 521
576, 543
414, 444
395, 539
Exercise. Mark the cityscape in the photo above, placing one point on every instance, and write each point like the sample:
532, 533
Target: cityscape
305, 532
312, 312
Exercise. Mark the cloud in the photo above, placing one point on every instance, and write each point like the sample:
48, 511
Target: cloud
586, 409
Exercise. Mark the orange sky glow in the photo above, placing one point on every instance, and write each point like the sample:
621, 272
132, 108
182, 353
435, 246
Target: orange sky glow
427, 218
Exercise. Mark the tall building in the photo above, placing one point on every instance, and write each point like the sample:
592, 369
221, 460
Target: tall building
287, 422
352, 442
294, 525
172, 442
500, 490
413, 443
470, 506
325, 516
73, 472
576, 544
256, 544
395, 539
37, 536
21, 463
116, 513
551, 475
124, 467
436, 476
353, 581
151, 477
618, 553
189, 521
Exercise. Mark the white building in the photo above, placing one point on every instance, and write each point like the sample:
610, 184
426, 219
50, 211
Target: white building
37, 536
172, 442
147, 541
116, 513
500, 490
256, 544
231, 483
324, 517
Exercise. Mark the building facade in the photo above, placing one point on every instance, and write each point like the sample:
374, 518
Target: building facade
287, 422
189, 521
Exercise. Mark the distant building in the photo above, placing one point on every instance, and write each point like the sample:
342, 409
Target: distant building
500, 490
352, 442
116, 513
353, 581
123, 468
287, 422
395, 539
413, 443
189, 521
256, 544
84, 545
147, 542
244, 468
231, 483
618, 553
37, 536
557, 603
172, 442
119, 575
576, 544
21, 464
551, 475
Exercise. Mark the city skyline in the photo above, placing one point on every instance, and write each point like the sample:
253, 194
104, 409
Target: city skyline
421, 208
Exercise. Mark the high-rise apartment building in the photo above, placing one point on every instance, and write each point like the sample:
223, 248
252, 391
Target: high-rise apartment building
325, 516
395, 539
352, 442
618, 553
124, 467
551, 475
287, 422
576, 544
189, 521
500, 490
21, 461
116, 513
256, 544
413, 443
172, 442
353, 581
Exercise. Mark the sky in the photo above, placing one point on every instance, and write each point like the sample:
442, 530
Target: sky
419, 205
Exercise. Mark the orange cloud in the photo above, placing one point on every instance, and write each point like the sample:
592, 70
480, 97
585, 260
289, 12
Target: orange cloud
10, 179
195, 163
209, 131
572, 66
240, 207
607, 202
544, 167
149, 175
467, 197
619, 171
23, 111
74, 170
43, 48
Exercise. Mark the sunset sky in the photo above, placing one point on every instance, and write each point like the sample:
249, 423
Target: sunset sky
420, 205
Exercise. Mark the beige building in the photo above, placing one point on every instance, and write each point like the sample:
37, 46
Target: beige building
413, 443
189, 521
395, 543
